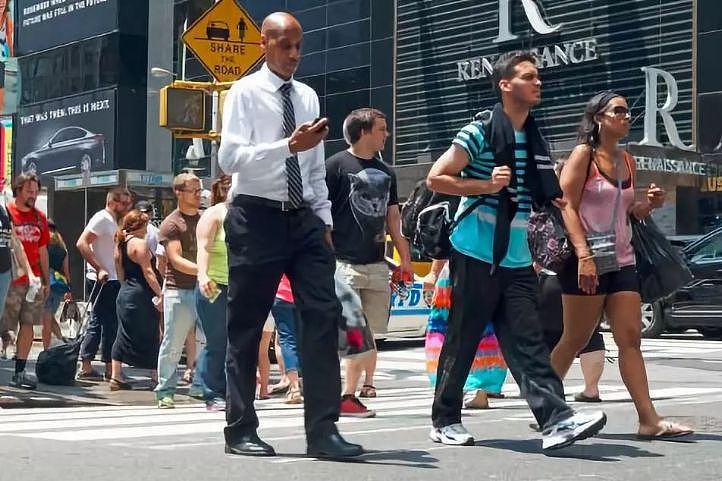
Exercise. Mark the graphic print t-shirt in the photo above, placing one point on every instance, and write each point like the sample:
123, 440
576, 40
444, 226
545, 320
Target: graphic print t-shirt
360, 191
180, 227
31, 227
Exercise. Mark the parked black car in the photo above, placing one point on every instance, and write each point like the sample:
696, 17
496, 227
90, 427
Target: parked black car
69, 150
698, 305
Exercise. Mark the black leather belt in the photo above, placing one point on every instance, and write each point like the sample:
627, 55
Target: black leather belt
284, 206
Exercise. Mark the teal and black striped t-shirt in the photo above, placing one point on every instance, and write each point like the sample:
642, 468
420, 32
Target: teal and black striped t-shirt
474, 236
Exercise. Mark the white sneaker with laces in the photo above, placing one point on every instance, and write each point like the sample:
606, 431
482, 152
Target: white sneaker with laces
453, 434
575, 428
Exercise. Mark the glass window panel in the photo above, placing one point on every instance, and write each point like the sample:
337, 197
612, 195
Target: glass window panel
347, 80
348, 34
345, 11
348, 57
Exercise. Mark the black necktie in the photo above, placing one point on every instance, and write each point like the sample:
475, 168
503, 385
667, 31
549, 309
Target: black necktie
293, 170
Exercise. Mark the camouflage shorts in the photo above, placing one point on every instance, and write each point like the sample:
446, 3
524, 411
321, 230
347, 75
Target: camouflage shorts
17, 309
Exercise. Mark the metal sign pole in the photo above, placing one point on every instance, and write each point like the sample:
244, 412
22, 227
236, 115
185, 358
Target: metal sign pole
214, 128
214, 143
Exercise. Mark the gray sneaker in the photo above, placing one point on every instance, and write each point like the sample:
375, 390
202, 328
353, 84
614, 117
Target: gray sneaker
575, 428
453, 434
22, 381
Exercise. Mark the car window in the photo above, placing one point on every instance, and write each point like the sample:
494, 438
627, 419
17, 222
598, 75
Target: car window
68, 134
710, 250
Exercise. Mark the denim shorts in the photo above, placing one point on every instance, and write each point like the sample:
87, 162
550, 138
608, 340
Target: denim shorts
52, 303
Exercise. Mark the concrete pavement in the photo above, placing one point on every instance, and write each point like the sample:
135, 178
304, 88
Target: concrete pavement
141, 442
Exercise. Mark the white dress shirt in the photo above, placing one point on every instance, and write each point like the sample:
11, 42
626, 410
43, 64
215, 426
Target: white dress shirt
253, 148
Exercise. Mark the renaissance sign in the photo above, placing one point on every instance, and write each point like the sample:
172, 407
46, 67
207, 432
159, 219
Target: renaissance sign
550, 56
575, 52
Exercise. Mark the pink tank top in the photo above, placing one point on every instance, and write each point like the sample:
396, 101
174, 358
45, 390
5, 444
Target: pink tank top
597, 206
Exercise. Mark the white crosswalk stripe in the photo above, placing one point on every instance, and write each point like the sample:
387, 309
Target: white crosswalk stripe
664, 348
193, 425
153, 426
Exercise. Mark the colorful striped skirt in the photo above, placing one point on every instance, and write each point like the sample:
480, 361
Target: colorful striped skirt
488, 371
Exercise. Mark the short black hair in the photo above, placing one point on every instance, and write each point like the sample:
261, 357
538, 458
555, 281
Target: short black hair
359, 121
506, 63
144, 206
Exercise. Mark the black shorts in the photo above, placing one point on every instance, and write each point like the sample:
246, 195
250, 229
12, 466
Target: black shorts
623, 280
551, 312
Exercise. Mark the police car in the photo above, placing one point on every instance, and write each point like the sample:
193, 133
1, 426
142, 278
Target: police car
409, 314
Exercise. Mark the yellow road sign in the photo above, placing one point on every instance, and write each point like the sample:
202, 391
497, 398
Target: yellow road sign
226, 40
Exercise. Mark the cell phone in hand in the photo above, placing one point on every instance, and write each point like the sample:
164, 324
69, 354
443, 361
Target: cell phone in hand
316, 120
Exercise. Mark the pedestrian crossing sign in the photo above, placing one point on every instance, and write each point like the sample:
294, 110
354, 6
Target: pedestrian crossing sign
225, 40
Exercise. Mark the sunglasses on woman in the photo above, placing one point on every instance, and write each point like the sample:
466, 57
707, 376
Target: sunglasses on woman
619, 113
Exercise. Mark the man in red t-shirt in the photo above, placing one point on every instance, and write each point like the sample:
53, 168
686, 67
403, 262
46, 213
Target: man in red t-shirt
31, 227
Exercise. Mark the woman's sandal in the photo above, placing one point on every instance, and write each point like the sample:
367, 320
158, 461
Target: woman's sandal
294, 396
368, 391
117, 385
667, 430
279, 388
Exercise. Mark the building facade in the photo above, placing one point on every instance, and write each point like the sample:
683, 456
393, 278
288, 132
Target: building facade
654, 52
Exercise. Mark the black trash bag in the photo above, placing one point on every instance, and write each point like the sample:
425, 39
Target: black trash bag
57, 365
661, 268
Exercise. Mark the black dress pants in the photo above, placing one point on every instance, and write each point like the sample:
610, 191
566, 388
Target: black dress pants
263, 244
508, 300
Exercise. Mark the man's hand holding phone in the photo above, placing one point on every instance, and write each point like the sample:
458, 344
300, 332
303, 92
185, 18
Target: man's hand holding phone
308, 135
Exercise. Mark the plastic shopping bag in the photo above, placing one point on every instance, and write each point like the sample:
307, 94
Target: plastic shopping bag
661, 268
354, 334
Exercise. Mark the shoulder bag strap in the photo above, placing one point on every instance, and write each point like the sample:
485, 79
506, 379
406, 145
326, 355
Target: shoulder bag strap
617, 201
468, 210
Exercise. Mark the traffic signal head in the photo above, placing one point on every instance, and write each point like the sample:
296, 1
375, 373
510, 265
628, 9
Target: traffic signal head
183, 108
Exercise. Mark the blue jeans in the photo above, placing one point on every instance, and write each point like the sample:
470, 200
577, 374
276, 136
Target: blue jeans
179, 317
286, 316
103, 323
6, 278
210, 376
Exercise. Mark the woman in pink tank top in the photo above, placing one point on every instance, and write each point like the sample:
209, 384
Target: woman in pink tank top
598, 183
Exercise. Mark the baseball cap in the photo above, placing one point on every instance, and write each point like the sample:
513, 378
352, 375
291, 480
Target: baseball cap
144, 206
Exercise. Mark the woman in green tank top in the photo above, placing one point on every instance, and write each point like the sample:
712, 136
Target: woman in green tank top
212, 297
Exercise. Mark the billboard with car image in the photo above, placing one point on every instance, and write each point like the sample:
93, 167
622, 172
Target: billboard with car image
71, 135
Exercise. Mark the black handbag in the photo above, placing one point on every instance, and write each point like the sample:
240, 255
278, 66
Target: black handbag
661, 268
58, 364
435, 225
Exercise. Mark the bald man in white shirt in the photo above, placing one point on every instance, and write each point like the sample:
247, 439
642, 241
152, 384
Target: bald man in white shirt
279, 221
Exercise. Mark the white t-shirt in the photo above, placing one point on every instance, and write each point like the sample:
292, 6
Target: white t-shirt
103, 225
151, 238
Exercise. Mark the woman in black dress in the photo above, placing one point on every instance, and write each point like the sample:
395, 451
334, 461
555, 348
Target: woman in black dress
138, 340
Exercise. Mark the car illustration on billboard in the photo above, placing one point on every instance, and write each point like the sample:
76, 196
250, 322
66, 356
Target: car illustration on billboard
69, 150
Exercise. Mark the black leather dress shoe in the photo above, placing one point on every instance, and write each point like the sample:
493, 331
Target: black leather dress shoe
250, 445
333, 446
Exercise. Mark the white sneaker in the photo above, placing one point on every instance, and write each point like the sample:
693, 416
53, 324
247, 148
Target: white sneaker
575, 428
453, 434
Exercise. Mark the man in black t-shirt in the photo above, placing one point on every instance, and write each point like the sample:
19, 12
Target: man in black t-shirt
363, 194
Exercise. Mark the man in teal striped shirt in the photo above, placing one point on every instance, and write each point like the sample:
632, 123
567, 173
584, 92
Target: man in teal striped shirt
500, 160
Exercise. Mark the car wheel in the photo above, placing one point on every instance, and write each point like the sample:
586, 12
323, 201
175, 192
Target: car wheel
86, 161
652, 322
711, 333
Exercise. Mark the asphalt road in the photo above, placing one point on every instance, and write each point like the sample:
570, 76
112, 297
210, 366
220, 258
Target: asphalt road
139, 442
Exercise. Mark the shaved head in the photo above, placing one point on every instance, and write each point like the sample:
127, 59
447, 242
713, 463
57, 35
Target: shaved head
277, 23
281, 37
